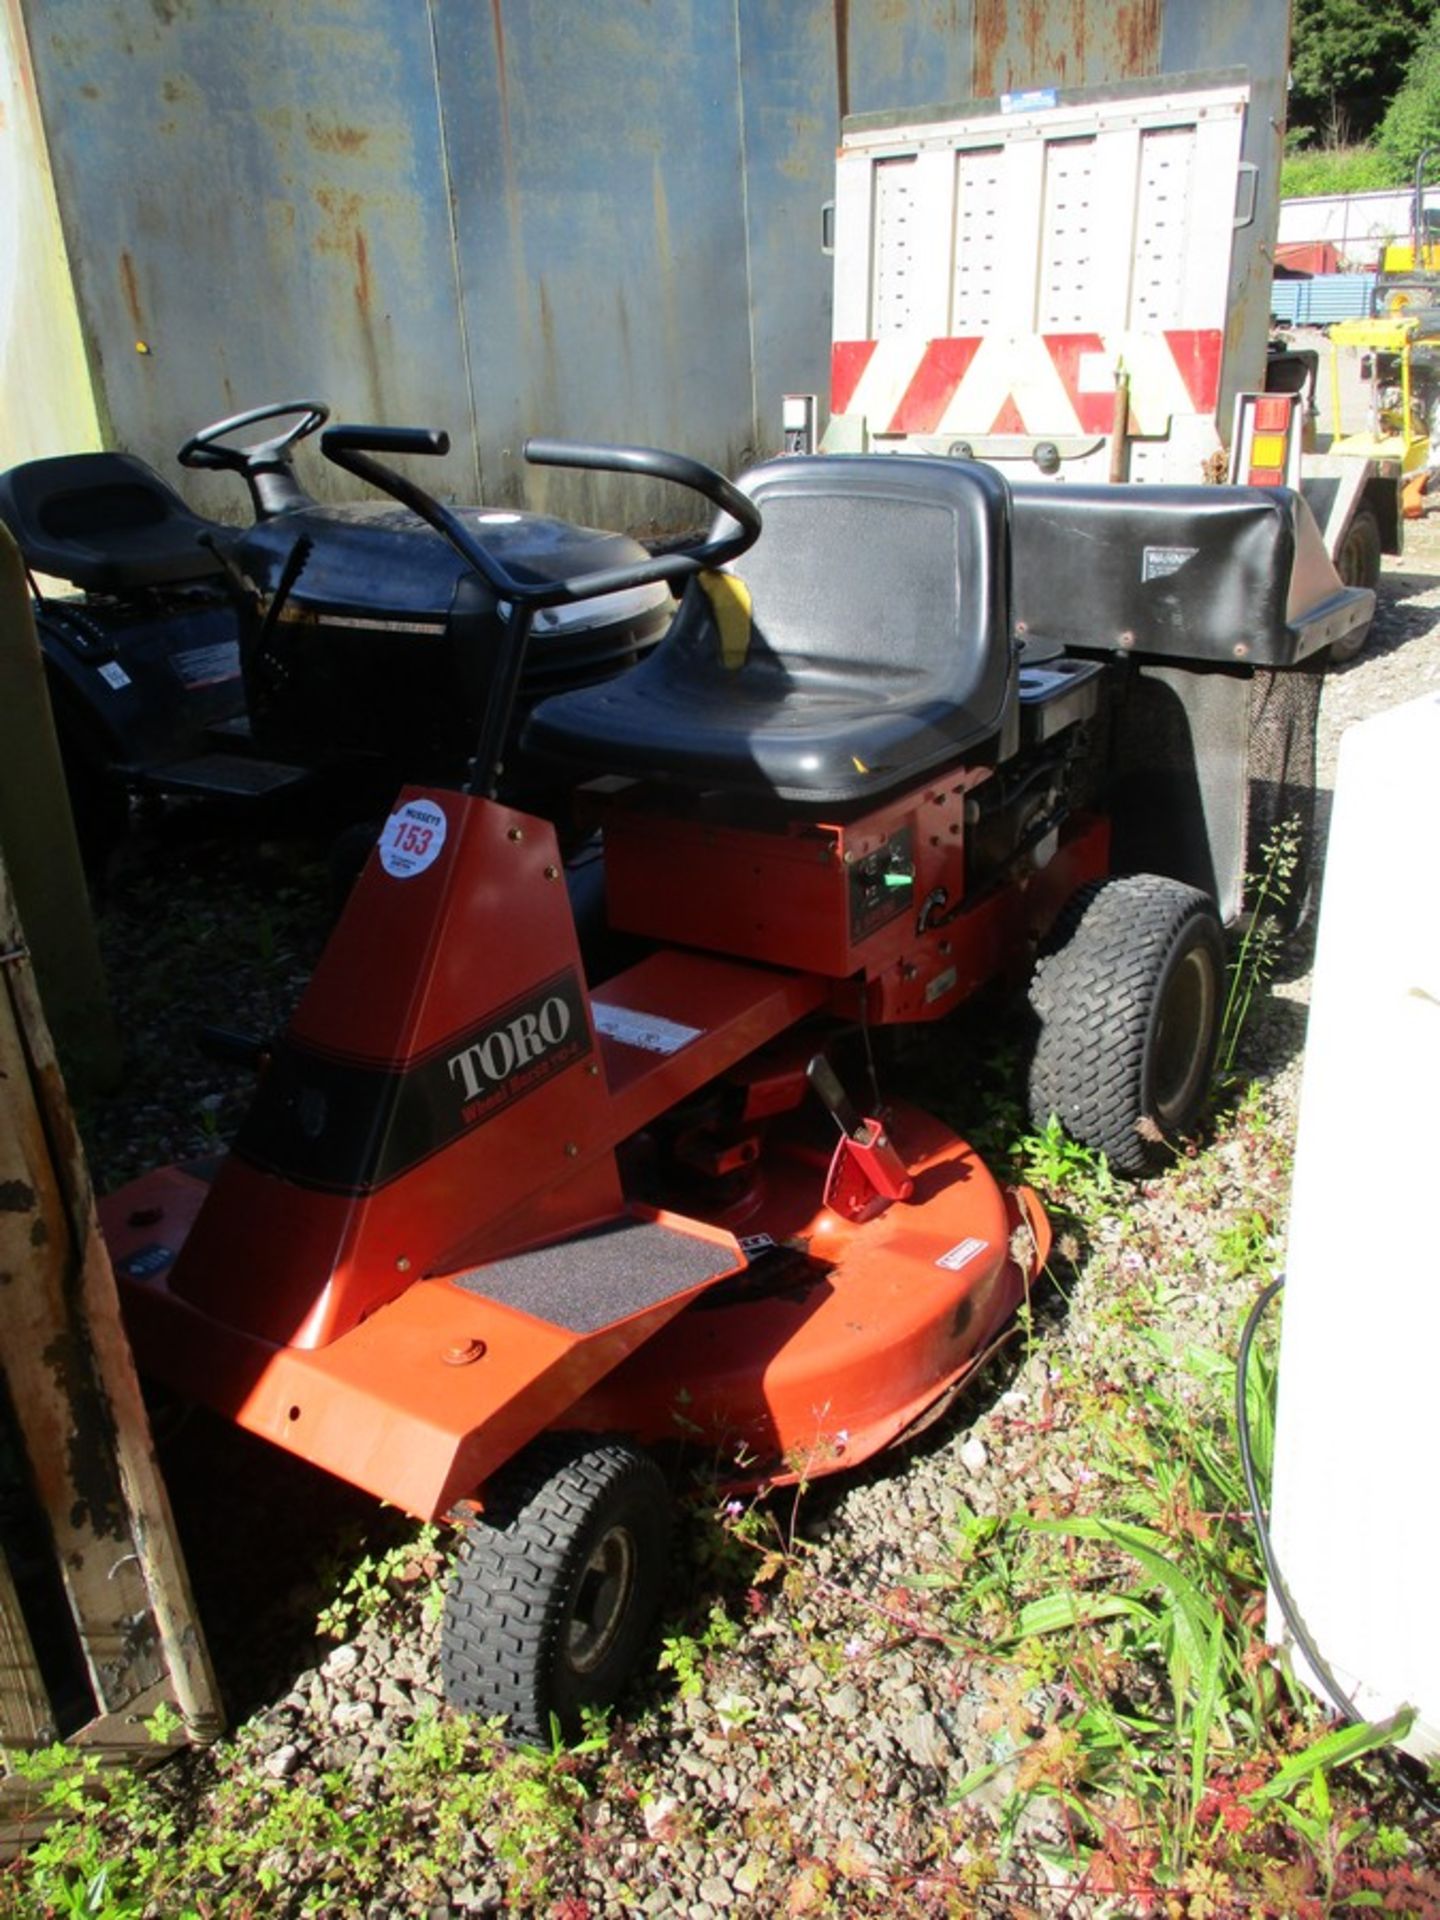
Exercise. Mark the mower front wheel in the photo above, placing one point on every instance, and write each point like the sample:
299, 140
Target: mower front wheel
1127, 996
556, 1584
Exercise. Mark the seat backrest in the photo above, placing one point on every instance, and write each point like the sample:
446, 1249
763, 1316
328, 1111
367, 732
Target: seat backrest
883, 566
871, 647
104, 521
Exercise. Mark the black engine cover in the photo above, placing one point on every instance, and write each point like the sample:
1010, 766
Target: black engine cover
385, 644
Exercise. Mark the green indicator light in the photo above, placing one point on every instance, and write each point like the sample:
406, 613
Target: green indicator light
899, 879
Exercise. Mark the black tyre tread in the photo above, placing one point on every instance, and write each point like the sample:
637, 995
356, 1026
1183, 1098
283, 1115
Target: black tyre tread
1363, 536
1092, 994
1361, 549
504, 1608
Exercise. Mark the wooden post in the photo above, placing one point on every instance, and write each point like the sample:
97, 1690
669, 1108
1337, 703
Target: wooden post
38, 836
78, 1410
24, 1707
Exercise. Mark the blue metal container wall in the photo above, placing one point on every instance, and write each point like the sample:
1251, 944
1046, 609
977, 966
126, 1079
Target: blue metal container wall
805, 64
596, 169
789, 91
507, 217
254, 191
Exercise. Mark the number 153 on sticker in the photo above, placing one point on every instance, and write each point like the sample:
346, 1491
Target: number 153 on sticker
412, 839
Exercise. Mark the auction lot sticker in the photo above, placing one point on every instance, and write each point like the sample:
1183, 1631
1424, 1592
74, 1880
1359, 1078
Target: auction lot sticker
413, 837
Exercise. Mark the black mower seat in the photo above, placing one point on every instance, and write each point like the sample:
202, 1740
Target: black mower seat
877, 647
107, 522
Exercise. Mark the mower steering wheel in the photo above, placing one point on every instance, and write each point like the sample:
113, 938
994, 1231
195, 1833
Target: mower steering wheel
204, 449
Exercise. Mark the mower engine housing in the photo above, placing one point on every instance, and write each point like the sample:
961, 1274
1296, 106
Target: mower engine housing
385, 645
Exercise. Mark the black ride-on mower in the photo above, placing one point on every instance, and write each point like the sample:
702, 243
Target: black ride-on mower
237, 664
503, 1228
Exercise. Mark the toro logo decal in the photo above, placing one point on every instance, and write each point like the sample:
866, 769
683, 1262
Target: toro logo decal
519, 1048
349, 1126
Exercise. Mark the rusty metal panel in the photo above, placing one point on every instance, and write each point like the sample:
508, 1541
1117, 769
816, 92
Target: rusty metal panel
803, 66
894, 54
793, 57
253, 195
596, 171
1063, 43
506, 218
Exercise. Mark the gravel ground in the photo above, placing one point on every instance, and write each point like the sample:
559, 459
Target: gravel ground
823, 1748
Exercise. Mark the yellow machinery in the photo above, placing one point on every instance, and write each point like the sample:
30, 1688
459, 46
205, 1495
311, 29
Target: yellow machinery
1401, 394
1410, 269
1399, 255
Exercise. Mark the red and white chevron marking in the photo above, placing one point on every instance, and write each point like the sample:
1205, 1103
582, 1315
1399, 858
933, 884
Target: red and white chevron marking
1032, 383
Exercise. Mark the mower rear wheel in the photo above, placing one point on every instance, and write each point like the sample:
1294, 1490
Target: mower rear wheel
1127, 997
556, 1584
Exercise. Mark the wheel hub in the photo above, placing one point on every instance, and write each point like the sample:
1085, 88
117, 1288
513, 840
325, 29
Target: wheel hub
602, 1598
1186, 1014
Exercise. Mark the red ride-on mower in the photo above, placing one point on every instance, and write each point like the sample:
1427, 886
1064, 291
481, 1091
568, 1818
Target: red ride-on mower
500, 1224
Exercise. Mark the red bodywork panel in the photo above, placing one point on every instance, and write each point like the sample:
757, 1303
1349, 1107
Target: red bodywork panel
884, 1317
822, 897
440, 1386
804, 894
389, 1273
419, 1403
427, 984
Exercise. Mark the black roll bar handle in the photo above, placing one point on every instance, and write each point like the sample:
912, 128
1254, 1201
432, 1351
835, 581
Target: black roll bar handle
352, 447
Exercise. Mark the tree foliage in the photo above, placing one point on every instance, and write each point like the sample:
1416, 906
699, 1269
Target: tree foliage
1347, 60
1413, 120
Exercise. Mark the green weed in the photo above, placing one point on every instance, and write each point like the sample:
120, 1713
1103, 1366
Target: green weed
366, 1586
1246, 1248
687, 1655
1072, 1179
1180, 1752
448, 1798
1254, 963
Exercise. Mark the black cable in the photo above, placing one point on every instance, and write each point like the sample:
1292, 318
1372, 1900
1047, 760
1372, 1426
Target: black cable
1338, 1697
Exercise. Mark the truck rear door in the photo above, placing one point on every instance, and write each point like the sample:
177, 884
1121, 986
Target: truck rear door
998, 274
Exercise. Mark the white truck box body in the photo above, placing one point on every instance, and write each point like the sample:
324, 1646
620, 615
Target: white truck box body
996, 272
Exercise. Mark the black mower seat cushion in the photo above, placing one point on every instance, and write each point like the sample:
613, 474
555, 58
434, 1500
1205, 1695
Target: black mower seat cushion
106, 522
879, 645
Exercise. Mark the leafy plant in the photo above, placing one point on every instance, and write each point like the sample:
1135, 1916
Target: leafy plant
1307, 172
1174, 1757
687, 1655
1254, 963
367, 1585
1073, 1176
1346, 60
1246, 1246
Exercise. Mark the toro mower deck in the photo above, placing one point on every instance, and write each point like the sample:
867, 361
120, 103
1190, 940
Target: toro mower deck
503, 1220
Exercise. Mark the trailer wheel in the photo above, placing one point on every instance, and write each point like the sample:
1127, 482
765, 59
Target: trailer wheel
1127, 997
1358, 565
556, 1584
